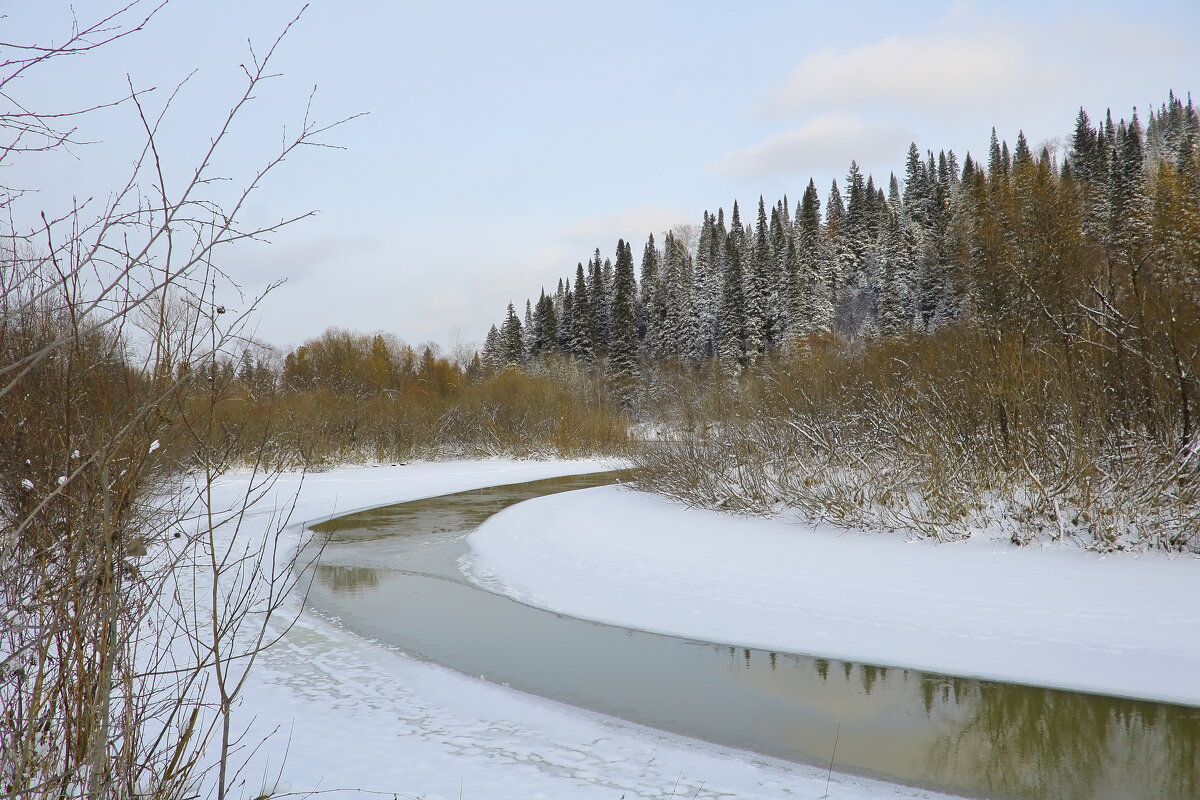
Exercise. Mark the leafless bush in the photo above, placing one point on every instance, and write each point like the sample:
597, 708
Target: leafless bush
114, 680
939, 436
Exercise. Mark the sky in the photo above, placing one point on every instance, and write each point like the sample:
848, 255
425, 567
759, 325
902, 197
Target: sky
501, 143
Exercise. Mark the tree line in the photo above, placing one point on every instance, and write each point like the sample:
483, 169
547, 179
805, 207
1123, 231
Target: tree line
979, 241
1023, 326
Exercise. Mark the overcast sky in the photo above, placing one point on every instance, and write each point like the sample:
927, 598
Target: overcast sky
505, 141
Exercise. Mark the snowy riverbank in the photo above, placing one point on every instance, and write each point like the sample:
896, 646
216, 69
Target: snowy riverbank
350, 714
1121, 624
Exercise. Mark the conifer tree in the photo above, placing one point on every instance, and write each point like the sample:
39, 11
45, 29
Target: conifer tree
916, 189
622, 358
782, 276
1083, 152
512, 345
814, 292
1022, 156
757, 287
493, 349
653, 299
1127, 201
996, 159
731, 346
736, 230
566, 323
606, 277
706, 293
841, 257
895, 281
677, 331
598, 295
545, 328
854, 232
528, 334
583, 333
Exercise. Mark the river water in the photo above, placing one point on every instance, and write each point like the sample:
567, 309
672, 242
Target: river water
392, 574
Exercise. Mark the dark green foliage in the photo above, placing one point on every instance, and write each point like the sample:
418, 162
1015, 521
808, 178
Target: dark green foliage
623, 355
998, 248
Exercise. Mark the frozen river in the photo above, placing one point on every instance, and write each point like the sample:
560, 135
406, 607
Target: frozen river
393, 574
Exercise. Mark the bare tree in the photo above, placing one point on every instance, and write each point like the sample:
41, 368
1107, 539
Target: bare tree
117, 676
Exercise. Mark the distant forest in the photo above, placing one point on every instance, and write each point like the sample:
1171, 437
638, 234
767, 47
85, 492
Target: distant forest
1017, 241
1008, 342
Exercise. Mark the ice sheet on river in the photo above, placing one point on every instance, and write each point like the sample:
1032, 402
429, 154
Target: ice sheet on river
1120, 624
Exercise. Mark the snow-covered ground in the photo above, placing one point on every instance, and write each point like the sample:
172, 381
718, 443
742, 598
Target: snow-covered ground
1122, 624
351, 714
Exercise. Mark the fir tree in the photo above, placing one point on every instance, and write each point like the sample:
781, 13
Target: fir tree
512, 345
894, 310
916, 188
622, 359
598, 295
854, 231
583, 334
677, 290
527, 331
814, 293
545, 327
653, 300
782, 276
566, 323
731, 346
493, 349
840, 255
757, 286
706, 293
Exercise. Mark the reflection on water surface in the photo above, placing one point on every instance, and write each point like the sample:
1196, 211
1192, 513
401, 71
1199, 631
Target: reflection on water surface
392, 574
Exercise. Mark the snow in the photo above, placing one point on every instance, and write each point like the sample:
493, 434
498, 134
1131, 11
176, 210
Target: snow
1121, 624
351, 715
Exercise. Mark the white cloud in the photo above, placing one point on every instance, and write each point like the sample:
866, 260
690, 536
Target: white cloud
934, 73
825, 143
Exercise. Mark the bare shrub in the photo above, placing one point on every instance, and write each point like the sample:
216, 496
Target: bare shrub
117, 679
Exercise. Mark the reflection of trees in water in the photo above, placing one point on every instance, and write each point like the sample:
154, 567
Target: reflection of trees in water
1022, 741
347, 579
1029, 742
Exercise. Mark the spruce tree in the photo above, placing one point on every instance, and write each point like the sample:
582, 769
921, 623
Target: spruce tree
653, 301
583, 333
706, 293
731, 347
895, 281
598, 296
814, 292
493, 349
512, 345
782, 276
677, 331
545, 326
854, 231
916, 188
566, 323
1082, 155
841, 257
528, 334
757, 287
622, 358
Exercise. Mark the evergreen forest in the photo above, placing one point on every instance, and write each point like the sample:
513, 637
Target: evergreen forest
1011, 340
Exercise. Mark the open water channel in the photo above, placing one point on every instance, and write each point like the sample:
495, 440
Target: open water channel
392, 574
